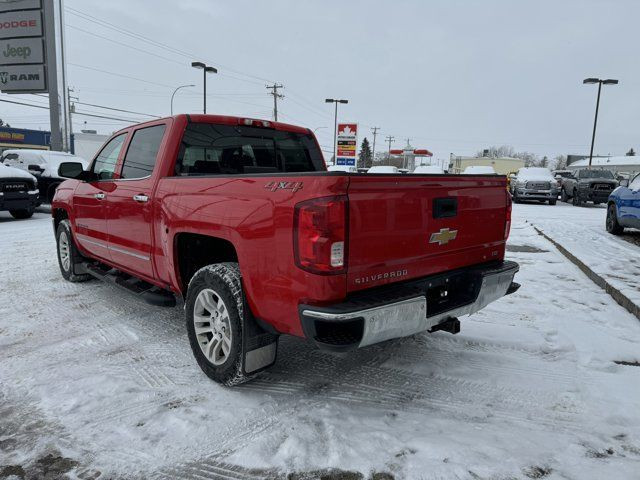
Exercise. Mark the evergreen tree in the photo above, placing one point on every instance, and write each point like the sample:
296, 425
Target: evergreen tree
631, 153
365, 158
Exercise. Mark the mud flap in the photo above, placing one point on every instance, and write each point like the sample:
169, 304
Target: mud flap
259, 346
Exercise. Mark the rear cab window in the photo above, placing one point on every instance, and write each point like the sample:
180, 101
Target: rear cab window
209, 149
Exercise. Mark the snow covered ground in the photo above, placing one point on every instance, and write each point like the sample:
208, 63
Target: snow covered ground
95, 384
582, 232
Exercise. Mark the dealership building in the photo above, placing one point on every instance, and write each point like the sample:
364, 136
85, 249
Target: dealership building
84, 144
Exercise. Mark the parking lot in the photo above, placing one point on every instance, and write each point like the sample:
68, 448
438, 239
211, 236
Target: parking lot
541, 384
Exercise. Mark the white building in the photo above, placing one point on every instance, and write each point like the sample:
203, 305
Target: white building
618, 165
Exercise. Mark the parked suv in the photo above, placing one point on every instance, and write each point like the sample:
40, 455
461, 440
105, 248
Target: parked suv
623, 207
44, 165
589, 185
534, 183
18, 192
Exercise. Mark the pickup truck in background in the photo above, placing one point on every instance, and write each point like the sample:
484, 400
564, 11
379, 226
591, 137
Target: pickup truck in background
44, 165
534, 183
588, 185
240, 219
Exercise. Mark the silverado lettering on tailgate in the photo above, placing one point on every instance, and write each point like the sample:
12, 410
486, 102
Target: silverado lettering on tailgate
381, 276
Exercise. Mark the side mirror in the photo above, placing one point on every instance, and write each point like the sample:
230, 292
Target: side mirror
624, 182
35, 169
71, 170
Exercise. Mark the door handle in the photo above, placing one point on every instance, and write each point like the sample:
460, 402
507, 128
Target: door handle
99, 196
141, 198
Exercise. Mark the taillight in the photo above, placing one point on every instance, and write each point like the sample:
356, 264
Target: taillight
250, 122
507, 224
320, 235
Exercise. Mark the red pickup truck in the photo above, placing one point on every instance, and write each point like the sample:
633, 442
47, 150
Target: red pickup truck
240, 219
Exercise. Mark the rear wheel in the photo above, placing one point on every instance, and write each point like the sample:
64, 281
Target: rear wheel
612, 224
68, 255
21, 214
215, 322
563, 196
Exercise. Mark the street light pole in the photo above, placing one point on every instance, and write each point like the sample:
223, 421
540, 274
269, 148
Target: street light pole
205, 69
335, 125
600, 82
174, 94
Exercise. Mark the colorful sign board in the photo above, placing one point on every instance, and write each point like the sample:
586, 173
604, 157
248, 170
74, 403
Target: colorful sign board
17, 51
11, 5
24, 23
22, 78
347, 144
22, 53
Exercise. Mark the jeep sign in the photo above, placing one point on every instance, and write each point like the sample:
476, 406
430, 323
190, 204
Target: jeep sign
20, 78
21, 50
26, 23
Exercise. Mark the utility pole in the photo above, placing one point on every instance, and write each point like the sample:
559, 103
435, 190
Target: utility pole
374, 130
72, 109
405, 161
389, 139
274, 91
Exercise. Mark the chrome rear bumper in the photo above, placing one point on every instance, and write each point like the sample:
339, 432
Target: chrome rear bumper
348, 325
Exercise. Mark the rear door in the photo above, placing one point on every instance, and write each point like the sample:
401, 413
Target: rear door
130, 205
630, 204
89, 200
403, 227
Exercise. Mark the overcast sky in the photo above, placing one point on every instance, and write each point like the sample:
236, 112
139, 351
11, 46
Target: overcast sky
455, 76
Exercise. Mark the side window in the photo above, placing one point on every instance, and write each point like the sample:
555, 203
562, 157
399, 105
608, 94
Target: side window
635, 184
105, 163
142, 152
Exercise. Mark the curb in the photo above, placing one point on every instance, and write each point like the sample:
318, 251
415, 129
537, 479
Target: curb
616, 294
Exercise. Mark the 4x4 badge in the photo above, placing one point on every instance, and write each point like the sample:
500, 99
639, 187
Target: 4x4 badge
293, 186
444, 236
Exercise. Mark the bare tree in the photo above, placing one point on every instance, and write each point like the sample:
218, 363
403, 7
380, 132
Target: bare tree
561, 162
497, 151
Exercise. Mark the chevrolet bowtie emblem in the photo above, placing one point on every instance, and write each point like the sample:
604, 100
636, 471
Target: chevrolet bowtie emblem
444, 236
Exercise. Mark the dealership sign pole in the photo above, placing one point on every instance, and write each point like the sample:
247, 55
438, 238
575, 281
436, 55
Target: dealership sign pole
32, 58
347, 142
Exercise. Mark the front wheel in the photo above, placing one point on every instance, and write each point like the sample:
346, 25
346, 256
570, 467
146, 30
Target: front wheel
68, 255
612, 224
21, 214
577, 201
215, 322
563, 196
552, 202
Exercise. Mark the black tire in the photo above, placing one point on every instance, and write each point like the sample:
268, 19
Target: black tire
577, 201
611, 223
515, 198
21, 214
51, 192
563, 196
553, 202
223, 279
68, 268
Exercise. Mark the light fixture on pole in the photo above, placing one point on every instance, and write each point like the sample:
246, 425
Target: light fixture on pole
335, 124
609, 81
206, 69
174, 94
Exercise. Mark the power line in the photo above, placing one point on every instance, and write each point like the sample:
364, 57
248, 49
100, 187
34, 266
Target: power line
119, 75
76, 112
116, 109
169, 48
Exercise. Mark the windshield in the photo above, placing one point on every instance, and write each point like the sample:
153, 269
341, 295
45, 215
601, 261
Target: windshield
595, 174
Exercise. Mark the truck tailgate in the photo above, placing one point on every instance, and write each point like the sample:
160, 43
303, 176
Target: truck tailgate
409, 226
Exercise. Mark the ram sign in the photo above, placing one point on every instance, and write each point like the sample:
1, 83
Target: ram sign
22, 78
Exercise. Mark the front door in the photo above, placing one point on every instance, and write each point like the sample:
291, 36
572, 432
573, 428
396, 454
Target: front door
130, 205
89, 201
